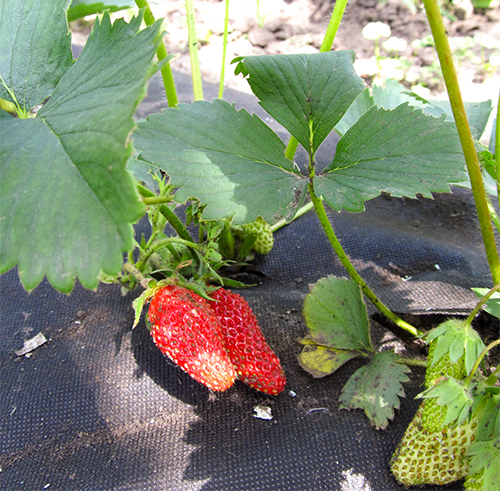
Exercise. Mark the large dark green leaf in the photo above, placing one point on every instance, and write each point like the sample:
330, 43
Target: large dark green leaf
228, 159
307, 94
402, 152
67, 202
35, 49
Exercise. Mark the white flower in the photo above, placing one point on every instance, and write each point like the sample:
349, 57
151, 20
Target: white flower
366, 67
376, 30
395, 44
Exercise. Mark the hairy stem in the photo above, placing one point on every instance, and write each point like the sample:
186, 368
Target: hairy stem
301, 211
452, 86
161, 54
497, 148
193, 51
162, 243
480, 304
327, 227
224, 50
479, 360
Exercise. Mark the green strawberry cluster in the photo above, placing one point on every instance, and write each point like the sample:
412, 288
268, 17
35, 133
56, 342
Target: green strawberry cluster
263, 234
431, 450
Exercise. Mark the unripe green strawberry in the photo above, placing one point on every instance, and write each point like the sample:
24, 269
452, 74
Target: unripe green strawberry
432, 458
262, 231
433, 414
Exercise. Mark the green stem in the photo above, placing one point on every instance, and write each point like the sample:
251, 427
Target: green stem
224, 50
161, 243
177, 225
301, 211
161, 54
327, 227
326, 45
497, 148
156, 200
333, 25
149, 198
479, 360
412, 362
193, 51
451, 80
21, 111
480, 304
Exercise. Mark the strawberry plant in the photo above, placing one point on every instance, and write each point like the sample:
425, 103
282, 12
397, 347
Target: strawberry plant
68, 136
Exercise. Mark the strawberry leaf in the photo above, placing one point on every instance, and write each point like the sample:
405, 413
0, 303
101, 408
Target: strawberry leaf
336, 315
486, 455
307, 94
35, 50
376, 388
456, 338
81, 8
229, 160
402, 152
489, 425
493, 304
321, 361
67, 202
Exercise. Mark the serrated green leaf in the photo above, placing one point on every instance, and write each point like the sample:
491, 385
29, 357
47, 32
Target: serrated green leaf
376, 388
493, 304
82, 8
456, 350
486, 455
228, 159
67, 203
321, 361
402, 152
454, 396
490, 418
35, 49
477, 113
336, 315
307, 94
392, 94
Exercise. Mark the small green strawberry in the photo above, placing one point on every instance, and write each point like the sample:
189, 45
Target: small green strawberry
262, 232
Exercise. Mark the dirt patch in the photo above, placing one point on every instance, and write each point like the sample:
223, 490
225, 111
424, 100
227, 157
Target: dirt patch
298, 26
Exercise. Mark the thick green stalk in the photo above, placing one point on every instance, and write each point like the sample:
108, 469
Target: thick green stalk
327, 227
326, 45
161, 54
451, 80
333, 25
224, 50
193, 51
497, 148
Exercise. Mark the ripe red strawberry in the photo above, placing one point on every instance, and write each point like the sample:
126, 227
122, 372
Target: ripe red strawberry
184, 328
255, 362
